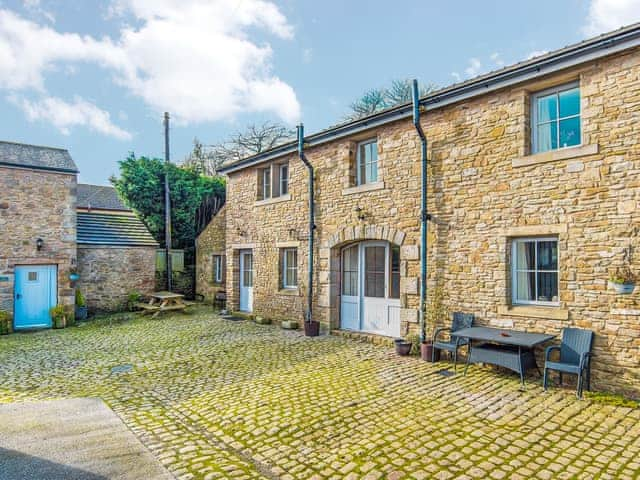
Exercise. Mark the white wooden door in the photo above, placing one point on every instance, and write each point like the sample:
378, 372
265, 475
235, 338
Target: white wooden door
350, 295
246, 280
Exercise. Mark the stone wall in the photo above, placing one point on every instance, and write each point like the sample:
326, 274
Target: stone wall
484, 189
109, 273
210, 242
36, 204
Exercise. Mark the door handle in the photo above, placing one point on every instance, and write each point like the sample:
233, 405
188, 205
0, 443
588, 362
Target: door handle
18, 296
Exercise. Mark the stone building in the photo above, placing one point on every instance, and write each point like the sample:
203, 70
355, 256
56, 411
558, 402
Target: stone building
211, 258
44, 238
533, 190
116, 252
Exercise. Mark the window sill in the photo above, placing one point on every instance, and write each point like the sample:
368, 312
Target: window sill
365, 187
269, 201
555, 155
292, 292
549, 313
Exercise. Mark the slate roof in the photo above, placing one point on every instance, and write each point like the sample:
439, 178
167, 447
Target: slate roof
99, 197
35, 156
95, 228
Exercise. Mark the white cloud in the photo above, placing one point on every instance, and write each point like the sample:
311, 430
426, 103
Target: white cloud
456, 76
474, 67
536, 53
606, 15
35, 7
66, 115
193, 58
497, 59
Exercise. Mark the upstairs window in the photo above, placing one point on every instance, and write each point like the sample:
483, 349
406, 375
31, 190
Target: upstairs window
556, 118
535, 271
273, 181
367, 162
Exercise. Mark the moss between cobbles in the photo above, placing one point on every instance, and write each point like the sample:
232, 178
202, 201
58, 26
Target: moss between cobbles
218, 399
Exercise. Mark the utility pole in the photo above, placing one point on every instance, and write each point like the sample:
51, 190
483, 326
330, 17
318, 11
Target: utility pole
167, 202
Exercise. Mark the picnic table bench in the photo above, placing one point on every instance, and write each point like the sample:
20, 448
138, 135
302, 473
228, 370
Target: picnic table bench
163, 302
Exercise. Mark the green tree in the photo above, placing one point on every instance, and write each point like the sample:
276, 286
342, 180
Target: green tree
141, 185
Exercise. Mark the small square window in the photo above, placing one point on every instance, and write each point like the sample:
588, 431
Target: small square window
33, 276
535, 271
555, 118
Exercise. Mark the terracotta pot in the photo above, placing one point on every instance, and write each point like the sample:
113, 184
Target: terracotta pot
403, 348
426, 352
312, 328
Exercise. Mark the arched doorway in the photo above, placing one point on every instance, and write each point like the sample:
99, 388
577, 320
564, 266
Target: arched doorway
370, 287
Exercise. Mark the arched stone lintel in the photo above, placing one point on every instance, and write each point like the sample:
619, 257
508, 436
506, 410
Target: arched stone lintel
354, 233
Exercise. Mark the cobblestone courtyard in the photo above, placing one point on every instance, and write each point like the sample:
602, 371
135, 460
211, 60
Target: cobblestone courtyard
213, 398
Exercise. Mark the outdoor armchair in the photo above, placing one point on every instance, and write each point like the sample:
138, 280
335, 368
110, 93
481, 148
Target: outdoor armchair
575, 357
460, 321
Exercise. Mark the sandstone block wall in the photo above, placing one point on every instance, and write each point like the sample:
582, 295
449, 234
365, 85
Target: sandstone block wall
210, 242
108, 274
36, 204
485, 188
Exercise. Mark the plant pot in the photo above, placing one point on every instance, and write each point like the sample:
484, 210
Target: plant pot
81, 313
312, 328
426, 352
59, 322
622, 288
403, 348
289, 325
262, 320
4, 328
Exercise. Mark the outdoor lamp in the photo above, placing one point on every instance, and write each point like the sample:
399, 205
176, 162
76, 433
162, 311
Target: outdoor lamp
39, 244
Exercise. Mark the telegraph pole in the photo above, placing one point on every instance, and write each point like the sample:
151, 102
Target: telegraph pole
167, 202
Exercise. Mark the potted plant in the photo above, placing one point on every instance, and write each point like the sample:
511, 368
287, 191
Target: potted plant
311, 328
5, 322
403, 346
81, 306
62, 316
435, 311
622, 280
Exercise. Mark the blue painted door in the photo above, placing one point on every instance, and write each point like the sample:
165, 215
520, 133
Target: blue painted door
35, 293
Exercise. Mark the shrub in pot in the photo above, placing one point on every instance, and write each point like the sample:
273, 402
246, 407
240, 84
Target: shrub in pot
81, 306
5, 322
62, 316
403, 347
312, 328
622, 280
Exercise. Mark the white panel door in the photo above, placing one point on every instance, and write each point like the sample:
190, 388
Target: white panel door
246, 280
375, 314
350, 296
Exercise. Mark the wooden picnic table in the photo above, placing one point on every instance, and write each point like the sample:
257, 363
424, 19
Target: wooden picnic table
162, 302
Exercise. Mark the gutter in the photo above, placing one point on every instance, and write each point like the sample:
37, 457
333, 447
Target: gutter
312, 224
39, 168
424, 216
592, 49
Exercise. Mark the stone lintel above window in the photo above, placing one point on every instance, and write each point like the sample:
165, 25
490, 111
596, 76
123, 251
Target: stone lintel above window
535, 230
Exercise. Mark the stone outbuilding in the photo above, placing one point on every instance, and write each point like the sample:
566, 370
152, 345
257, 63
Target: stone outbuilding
533, 194
211, 258
51, 229
116, 252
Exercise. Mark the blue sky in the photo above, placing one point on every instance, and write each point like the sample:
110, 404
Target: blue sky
94, 77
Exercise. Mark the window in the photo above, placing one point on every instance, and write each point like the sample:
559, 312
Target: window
367, 162
289, 268
284, 179
394, 272
33, 276
350, 271
374, 271
217, 268
273, 181
535, 271
555, 118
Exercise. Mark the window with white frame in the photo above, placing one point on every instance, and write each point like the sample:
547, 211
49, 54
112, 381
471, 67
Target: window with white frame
555, 118
289, 265
273, 181
217, 268
534, 271
367, 162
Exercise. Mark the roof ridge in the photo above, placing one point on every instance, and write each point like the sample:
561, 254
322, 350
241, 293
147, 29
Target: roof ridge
35, 145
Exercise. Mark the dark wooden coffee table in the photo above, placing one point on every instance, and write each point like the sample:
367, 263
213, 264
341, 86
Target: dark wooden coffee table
510, 349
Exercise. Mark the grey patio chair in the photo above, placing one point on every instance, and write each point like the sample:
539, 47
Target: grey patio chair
460, 321
575, 357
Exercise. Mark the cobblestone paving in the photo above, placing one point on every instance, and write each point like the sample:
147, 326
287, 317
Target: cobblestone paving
213, 398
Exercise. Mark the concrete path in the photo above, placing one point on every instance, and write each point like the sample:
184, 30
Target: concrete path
78, 438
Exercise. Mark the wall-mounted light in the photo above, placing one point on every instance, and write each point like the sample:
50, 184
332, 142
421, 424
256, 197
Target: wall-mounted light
360, 213
39, 244
241, 232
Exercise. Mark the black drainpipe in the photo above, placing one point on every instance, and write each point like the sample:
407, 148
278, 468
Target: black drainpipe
424, 216
312, 224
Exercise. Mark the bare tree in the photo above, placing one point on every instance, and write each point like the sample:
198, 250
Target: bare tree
377, 99
254, 139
